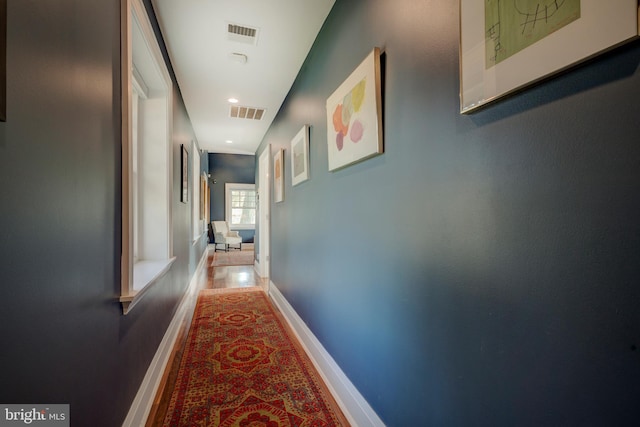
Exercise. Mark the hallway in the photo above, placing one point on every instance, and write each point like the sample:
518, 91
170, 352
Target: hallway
236, 276
482, 268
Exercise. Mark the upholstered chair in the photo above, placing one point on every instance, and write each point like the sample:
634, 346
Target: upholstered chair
224, 236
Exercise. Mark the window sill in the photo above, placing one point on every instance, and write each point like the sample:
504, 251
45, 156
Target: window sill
242, 226
145, 275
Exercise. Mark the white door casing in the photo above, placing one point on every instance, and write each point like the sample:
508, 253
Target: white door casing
264, 197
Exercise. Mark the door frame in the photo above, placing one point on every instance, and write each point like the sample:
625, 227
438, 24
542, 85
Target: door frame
262, 264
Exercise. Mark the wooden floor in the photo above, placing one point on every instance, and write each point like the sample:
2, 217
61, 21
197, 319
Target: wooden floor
211, 278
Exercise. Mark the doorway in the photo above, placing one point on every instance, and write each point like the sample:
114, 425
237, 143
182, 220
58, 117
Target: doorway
264, 207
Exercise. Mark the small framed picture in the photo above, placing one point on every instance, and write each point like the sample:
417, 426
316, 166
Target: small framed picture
278, 176
300, 156
184, 173
354, 115
3, 60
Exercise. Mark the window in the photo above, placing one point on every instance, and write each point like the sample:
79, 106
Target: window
240, 205
135, 199
146, 158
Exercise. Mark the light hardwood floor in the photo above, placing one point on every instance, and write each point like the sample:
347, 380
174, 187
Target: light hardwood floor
210, 278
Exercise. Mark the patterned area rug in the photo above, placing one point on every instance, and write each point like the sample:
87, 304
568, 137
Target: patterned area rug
242, 367
234, 257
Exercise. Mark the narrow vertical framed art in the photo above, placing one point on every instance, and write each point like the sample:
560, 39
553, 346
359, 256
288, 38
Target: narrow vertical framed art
184, 174
300, 156
3, 60
204, 189
278, 176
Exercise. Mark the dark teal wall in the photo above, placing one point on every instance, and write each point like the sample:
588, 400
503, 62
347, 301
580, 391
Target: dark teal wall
64, 338
229, 168
483, 270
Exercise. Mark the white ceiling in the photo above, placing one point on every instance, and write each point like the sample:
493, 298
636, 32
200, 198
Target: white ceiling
195, 32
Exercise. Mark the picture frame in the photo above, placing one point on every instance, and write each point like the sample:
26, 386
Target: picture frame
502, 51
3, 60
278, 176
184, 174
204, 189
300, 156
354, 115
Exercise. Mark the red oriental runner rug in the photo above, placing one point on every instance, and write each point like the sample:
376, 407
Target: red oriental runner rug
243, 367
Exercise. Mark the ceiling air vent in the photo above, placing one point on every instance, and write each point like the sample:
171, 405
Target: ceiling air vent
242, 33
249, 113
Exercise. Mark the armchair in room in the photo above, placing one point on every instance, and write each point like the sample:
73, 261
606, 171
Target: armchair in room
224, 236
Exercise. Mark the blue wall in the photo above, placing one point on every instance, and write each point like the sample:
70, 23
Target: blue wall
483, 270
64, 337
229, 168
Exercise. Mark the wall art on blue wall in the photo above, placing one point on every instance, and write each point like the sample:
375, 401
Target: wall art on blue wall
300, 156
354, 116
3, 60
204, 197
184, 174
507, 45
278, 176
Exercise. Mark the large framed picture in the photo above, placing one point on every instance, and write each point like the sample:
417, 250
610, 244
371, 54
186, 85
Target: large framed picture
354, 116
506, 45
278, 176
300, 156
184, 174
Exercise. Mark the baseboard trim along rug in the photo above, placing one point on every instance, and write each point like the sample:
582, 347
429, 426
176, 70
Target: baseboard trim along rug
242, 366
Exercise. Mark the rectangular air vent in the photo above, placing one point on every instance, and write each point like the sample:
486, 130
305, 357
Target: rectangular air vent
250, 113
242, 33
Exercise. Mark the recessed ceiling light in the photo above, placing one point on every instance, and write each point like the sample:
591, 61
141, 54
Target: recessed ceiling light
228, 141
233, 100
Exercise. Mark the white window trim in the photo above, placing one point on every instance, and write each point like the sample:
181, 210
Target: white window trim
146, 272
228, 187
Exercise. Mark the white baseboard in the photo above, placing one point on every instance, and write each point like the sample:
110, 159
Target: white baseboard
141, 406
260, 269
352, 403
